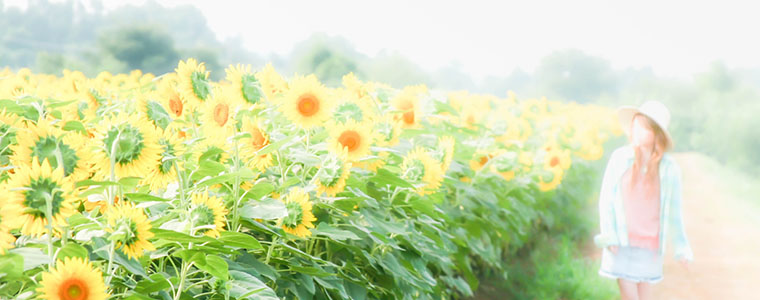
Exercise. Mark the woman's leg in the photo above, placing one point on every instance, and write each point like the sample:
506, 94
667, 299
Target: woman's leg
645, 291
628, 290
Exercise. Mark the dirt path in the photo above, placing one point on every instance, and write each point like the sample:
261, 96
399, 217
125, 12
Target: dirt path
724, 231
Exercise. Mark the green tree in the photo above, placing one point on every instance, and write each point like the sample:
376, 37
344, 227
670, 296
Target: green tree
574, 75
718, 78
144, 47
328, 58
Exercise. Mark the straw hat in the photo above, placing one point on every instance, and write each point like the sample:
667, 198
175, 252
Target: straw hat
655, 110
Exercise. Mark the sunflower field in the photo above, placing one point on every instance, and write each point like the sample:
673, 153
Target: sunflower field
133, 186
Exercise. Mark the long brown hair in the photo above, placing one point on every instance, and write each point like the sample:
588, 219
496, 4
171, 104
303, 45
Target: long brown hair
659, 149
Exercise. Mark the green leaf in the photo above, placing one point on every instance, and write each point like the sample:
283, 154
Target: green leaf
72, 250
333, 283
249, 264
244, 175
247, 286
459, 284
355, 291
12, 265
260, 190
75, 126
12, 107
129, 183
308, 282
315, 271
157, 282
325, 229
158, 114
275, 146
384, 176
269, 209
441, 106
304, 157
239, 240
89, 182
251, 89
101, 247
33, 257
143, 197
208, 168
213, 265
182, 238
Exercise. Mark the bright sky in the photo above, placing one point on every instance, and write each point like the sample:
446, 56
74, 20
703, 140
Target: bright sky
675, 38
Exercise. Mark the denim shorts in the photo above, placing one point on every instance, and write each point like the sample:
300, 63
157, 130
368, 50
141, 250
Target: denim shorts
633, 264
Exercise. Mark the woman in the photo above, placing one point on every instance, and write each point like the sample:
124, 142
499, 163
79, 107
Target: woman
640, 204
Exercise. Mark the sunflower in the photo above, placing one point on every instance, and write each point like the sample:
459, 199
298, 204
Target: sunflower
332, 174
45, 142
299, 218
208, 213
8, 127
353, 137
407, 106
525, 159
214, 149
258, 140
218, 120
173, 101
510, 129
10, 217
356, 87
388, 131
247, 89
350, 107
554, 156
30, 187
446, 145
372, 163
307, 102
480, 159
550, 178
419, 166
73, 278
130, 228
193, 81
164, 172
132, 143
154, 111
534, 108
100, 204
505, 164
272, 83
591, 151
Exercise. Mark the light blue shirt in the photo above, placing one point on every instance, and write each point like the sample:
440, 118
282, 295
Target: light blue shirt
613, 231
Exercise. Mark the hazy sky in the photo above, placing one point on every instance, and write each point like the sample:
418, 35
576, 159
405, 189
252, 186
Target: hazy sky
675, 38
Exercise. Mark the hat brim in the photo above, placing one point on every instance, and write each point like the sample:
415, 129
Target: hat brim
625, 116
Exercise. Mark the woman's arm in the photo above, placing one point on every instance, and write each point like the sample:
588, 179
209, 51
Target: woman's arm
607, 236
681, 246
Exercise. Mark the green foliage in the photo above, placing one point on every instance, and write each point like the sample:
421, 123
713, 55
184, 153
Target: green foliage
143, 47
550, 265
556, 270
328, 58
574, 75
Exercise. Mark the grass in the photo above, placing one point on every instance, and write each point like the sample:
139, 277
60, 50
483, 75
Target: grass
553, 265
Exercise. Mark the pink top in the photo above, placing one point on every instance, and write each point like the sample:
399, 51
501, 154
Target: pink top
642, 211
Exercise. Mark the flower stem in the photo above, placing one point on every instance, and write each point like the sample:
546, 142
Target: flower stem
49, 216
182, 275
269, 251
110, 262
112, 189
236, 191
